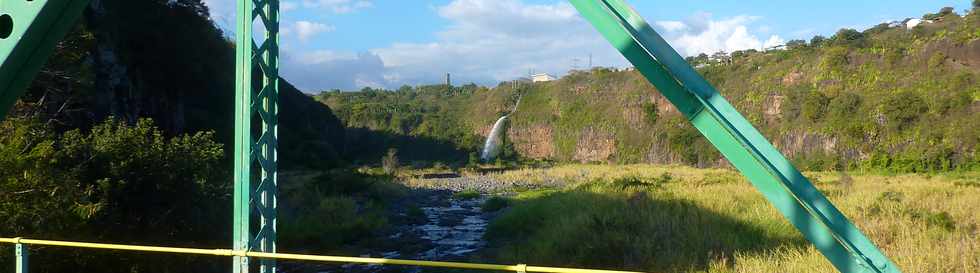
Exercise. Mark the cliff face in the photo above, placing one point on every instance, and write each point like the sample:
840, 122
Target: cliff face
890, 98
819, 115
167, 61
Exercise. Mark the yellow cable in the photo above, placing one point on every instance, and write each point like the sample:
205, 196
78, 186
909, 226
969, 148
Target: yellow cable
304, 257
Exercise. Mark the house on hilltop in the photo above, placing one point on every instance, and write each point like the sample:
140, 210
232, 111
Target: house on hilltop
542, 77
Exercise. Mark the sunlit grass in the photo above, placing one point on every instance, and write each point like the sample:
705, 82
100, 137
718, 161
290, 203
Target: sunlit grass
925, 223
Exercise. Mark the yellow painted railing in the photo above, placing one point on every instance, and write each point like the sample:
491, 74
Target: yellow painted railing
304, 257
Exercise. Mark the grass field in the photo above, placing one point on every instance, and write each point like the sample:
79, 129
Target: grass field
682, 219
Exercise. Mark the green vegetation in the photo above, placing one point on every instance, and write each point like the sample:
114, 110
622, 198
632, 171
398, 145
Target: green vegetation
94, 154
331, 210
180, 74
681, 219
421, 123
495, 203
134, 184
113, 183
885, 99
123, 135
466, 194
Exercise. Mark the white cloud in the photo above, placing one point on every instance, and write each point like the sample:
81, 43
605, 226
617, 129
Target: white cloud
773, 41
306, 29
222, 12
672, 25
488, 41
338, 6
324, 69
703, 34
286, 6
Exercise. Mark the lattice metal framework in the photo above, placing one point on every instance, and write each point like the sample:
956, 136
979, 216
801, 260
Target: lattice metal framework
256, 96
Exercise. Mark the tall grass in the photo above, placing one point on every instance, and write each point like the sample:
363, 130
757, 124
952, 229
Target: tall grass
680, 219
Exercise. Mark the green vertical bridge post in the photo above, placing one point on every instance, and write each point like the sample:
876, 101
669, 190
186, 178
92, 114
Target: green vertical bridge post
767, 169
256, 99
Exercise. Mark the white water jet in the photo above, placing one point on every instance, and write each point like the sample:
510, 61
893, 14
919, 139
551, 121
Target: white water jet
491, 149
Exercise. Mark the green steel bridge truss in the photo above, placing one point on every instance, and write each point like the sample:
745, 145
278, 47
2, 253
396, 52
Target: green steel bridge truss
30, 29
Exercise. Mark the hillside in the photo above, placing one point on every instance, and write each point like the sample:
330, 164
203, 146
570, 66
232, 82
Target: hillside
888, 98
125, 134
181, 75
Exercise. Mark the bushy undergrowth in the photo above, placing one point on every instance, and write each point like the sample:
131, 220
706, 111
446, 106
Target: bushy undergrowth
495, 203
131, 183
113, 183
326, 212
466, 195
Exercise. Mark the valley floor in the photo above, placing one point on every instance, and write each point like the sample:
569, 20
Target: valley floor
674, 219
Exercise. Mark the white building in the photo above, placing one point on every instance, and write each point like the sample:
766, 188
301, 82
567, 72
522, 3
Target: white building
912, 23
542, 77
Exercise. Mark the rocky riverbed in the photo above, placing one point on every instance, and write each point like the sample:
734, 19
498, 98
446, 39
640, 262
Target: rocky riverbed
429, 223
480, 183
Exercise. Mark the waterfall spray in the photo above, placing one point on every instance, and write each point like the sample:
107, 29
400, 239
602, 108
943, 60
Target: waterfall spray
491, 149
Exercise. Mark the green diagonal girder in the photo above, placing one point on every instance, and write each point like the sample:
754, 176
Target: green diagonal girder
29, 32
768, 170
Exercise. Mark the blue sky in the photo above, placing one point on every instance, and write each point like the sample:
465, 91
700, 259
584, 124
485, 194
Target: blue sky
350, 44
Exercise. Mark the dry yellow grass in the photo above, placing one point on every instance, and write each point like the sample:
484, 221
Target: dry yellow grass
925, 223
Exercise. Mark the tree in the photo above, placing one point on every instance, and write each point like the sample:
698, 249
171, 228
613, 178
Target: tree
843, 115
903, 109
976, 4
849, 36
794, 44
814, 106
390, 162
405, 88
879, 28
113, 182
650, 111
817, 40
946, 11
943, 12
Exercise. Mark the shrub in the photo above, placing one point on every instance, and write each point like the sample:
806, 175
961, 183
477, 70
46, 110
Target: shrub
650, 112
843, 115
849, 36
937, 60
814, 106
795, 44
466, 194
495, 203
817, 40
902, 109
114, 182
390, 162
334, 222
834, 59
